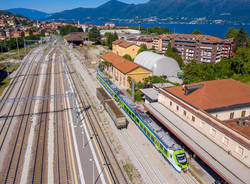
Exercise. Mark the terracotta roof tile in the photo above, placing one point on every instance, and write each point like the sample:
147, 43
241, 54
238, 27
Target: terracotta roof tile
119, 62
123, 43
76, 36
245, 131
215, 94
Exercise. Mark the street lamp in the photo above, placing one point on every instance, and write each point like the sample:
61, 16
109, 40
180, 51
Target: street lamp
93, 167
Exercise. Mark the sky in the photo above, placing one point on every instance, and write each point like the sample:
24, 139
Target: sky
56, 5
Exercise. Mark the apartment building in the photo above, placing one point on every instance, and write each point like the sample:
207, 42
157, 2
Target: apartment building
122, 47
148, 41
203, 48
120, 69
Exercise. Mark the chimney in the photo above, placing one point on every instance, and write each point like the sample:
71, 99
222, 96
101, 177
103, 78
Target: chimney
239, 122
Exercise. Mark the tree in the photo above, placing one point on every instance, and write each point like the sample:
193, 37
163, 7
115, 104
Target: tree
174, 53
68, 29
110, 37
197, 32
94, 35
143, 48
169, 51
128, 57
241, 38
231, 32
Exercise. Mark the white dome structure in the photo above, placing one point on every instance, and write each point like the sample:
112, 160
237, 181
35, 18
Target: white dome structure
158, 64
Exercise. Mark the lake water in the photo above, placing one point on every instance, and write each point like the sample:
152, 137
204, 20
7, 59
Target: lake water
209, 29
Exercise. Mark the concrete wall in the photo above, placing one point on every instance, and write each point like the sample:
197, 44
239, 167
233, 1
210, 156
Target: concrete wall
221, 139
227, 115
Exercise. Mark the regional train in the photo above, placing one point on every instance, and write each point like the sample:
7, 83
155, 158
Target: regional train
157, 136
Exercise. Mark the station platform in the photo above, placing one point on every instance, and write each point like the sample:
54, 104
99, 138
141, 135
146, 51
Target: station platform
224, 164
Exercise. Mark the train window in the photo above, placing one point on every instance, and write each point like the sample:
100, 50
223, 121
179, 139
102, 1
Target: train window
145, 130
148, 133
141, 126
165, 151
152, 138
161, 146
137, 120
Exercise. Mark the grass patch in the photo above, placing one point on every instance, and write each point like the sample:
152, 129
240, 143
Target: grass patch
129, 169
242, 78
5, 82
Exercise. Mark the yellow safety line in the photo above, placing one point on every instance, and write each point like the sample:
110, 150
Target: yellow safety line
197, 175
69, 137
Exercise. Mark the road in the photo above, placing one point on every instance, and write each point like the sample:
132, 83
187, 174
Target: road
45, 135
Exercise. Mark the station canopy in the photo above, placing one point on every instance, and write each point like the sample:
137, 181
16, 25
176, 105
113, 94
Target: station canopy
158, 64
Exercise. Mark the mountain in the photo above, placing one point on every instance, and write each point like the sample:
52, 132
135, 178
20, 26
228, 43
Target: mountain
31, 14
212, 9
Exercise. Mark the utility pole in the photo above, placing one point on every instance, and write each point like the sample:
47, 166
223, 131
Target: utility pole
24, 42
133, 89
17, 48
7, 69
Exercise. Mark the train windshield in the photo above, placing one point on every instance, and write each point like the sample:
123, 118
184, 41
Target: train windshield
181, 158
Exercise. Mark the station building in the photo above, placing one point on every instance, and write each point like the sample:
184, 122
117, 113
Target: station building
76, 38
122, 47
120, 69
212, 119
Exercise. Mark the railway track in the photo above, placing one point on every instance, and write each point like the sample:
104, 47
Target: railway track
39, 165
140, 158
62, 157
12, 110
95, 127
13, 161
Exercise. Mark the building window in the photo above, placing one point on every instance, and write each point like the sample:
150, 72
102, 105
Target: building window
231, 115
239, 150
170, 103
177, 107
193, 118
243, 114
225, 141
212, 132
184, 113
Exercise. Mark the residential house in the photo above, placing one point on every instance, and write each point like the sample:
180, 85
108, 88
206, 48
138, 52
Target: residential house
122, 47
121, 69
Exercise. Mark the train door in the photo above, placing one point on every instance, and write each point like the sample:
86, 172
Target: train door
157, 144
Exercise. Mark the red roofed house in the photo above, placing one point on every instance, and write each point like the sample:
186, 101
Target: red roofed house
121, 69
122, 47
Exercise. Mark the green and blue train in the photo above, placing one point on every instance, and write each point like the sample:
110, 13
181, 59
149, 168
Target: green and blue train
165, 145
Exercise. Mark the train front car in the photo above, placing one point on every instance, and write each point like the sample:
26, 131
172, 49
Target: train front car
180, 160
